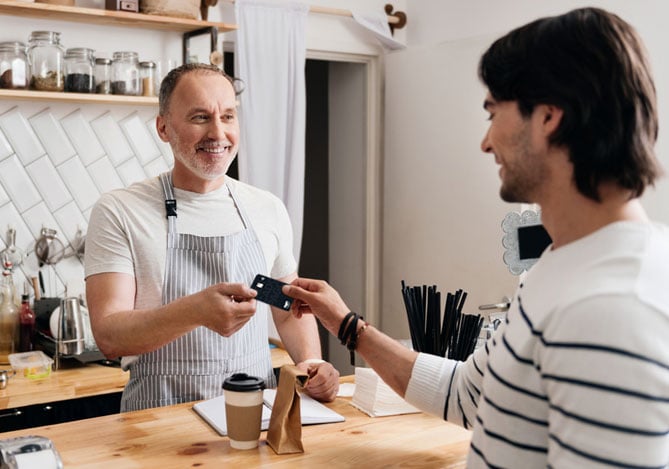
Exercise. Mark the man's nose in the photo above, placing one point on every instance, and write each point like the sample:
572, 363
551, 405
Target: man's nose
217, 129
485, 143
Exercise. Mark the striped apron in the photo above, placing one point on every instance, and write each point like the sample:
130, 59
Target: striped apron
194, 366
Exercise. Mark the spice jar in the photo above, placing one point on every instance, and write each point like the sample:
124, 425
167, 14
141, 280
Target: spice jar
103, 75
13, 65
45, 58
125, 74
147, 72
79, 65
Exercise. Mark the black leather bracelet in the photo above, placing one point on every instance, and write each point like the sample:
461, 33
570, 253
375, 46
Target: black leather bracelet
342, 328
348, 333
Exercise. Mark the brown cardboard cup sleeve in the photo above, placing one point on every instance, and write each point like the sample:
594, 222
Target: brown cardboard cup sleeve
285, 424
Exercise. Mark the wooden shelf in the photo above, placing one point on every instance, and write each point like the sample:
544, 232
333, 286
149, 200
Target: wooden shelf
85, 98
106, 17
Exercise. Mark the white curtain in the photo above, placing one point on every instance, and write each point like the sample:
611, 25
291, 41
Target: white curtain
270, 54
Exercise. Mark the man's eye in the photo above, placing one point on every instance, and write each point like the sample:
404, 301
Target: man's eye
229, 117
490, 116
199, 118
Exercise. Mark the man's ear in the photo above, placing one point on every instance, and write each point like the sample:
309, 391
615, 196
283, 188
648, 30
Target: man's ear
552, 117
160, 127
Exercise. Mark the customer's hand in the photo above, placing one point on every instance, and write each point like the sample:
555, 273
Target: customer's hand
318, 298
323, 383
226, 307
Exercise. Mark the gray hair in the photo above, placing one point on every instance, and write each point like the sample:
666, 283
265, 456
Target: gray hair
170, 81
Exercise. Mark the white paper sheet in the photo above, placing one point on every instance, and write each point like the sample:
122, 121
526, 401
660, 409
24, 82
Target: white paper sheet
312, 411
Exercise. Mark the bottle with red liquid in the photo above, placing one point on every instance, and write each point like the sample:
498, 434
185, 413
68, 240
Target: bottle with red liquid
27, 325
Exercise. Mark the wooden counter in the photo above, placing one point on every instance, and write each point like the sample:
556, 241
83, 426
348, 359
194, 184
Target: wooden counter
77, 380
71, 381
177, 437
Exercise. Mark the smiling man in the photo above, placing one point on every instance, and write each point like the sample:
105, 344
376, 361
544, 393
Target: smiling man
169, 260
577, 376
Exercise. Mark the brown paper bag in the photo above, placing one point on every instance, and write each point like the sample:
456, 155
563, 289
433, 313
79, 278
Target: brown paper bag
285, 424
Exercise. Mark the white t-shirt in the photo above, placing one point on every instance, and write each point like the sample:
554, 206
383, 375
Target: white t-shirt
127, 231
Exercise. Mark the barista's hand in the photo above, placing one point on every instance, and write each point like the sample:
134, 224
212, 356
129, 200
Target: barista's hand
318, 298
226, 307
323, 383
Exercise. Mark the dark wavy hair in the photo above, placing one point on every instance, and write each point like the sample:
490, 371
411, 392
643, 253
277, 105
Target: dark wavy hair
592, 65
172, 78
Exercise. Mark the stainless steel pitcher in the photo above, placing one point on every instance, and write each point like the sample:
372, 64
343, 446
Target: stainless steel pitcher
71, 335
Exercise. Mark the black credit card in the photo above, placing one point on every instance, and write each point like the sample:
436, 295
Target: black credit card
269, 291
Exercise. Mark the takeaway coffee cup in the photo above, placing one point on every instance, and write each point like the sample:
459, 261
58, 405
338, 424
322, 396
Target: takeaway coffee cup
243, 409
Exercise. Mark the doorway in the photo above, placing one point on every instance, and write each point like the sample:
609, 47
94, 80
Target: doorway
340, 241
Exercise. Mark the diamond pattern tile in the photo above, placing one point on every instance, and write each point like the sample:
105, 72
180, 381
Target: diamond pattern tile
113, 141
79, 182
83, 138
55, 162
44, 175
52, 136
21, 136
139, 138
17, 183
5, 147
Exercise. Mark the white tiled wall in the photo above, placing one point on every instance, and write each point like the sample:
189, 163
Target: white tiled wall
55, 161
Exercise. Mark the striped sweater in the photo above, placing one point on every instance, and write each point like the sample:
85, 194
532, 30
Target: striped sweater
578, 375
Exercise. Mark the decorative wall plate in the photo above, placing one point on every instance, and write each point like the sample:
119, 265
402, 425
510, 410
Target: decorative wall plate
510, 225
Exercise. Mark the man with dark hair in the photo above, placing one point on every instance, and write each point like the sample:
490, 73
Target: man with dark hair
578, 374
169, 261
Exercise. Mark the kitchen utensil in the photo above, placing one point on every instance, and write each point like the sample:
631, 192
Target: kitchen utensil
49, 249
79, 243
54, 319
71, 335
4, 377
11, 252
36, 288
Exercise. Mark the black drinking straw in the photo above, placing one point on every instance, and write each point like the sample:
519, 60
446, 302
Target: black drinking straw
408, 304
419, 293
455, 334
445, 328
433, 320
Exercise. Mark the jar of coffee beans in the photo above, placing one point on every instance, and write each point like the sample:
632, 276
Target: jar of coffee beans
125, 74
79, 70
103, 75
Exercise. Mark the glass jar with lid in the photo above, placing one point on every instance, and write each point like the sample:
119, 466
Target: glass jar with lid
125, 73
79, 70
147, 72
13, 65
45, 58
103, 75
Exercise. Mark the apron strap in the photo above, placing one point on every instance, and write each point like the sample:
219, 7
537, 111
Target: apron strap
170, 202
240, 208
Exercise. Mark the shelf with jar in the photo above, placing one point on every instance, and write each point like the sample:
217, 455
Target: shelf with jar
107, 17
45, 71
83, 98
41, 87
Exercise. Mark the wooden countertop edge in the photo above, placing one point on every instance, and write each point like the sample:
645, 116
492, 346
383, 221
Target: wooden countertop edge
78, 381
159, 437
